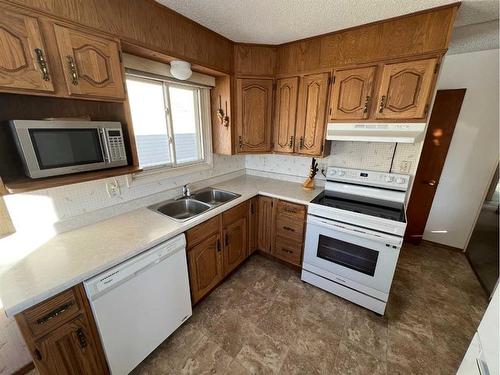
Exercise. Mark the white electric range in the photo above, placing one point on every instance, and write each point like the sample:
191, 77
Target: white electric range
355, 230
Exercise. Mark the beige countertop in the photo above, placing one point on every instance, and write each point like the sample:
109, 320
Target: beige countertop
34, 269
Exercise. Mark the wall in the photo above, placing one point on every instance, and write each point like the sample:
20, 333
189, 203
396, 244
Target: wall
363, 155
67, 207
5, 223
473, 153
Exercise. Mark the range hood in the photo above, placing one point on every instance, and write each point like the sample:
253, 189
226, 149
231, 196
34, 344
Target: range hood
376, 132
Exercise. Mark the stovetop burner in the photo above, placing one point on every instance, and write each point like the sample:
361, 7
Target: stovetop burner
366, 206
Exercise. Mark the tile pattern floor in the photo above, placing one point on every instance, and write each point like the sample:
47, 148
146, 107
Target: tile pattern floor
264, 320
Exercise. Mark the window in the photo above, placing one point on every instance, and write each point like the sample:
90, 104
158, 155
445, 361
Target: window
168, 119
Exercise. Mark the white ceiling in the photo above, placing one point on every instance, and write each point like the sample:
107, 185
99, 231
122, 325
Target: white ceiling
280, 21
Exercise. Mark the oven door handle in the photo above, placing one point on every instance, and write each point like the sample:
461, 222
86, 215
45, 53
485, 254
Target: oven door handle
341, 227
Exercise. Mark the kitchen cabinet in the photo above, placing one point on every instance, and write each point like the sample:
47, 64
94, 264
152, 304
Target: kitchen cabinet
61, 335
23, 54
254, 101
253, 222
290, 228
285, 114
235, 244
404, 89
205, 266
311, 114
91, 64
266, 220
351, 93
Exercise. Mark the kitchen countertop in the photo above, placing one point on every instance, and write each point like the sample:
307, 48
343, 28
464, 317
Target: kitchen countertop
29, 274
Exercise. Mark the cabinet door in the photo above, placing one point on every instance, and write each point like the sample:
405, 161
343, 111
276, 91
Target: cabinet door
23, 63
235, 244
253, 225
266, 224
91, 64
352, 94
311, 114
69, 349
205, 267
285, 114
254, 100
404, 89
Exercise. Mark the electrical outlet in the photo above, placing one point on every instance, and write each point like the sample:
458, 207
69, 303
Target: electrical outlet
405, 166
113, 188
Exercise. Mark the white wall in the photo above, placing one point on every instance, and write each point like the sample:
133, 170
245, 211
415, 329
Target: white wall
473, 153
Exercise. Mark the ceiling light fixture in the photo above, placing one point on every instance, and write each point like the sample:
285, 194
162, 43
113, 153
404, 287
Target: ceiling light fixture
180, 69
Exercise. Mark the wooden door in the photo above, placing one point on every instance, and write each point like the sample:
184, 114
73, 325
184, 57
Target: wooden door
205, 267
253, 221
91, 64
69, 349
285, 114
437, 142
254, 100
351, 95
23, 63
265, 224
311, 114
235, 237
405, 89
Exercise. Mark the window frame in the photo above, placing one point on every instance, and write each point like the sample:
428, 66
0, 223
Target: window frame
204, 126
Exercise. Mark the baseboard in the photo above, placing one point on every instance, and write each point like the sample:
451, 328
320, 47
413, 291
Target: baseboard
25, 369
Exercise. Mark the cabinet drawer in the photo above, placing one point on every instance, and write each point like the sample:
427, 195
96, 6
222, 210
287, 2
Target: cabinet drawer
288, 250
204, 230
49, 314
235, 213
297, 211
288, 227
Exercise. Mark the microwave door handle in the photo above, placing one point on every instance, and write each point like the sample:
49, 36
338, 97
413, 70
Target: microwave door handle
104, 145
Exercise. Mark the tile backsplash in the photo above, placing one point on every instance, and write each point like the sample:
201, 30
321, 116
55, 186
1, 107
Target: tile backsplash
68, 207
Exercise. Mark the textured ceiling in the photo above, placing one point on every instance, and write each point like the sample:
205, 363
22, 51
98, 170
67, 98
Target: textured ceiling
280, 21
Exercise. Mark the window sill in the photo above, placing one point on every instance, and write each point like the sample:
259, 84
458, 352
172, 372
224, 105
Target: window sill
148, 176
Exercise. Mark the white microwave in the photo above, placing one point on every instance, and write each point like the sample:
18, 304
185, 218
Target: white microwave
52, 148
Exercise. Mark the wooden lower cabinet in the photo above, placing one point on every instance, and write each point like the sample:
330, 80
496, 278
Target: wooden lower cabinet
205, 266
61, 335
265, 225
253, 224
235, 244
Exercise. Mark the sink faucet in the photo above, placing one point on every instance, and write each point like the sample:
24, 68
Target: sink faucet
186, 191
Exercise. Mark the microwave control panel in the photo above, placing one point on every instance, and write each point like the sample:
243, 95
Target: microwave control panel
116, 145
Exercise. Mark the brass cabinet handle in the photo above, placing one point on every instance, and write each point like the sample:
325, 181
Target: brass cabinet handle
43, 64
301, 142
367, 102
72, 70
240, 141
292, 211
291, 141
382, 104
226, 239
287, 251
82, 340
252, 208
218, 246
38, 354
54, 313
288, 229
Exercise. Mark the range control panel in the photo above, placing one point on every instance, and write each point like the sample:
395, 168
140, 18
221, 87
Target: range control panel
369, 178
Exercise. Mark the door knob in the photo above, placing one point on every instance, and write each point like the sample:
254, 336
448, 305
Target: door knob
431, 182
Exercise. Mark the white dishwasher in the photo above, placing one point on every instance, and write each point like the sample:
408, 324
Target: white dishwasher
140, 302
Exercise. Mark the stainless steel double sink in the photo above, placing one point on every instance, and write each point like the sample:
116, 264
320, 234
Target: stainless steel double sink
185, 208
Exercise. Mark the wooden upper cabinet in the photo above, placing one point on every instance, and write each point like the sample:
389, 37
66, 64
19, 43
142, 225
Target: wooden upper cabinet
311, 114
235, 237
69, 349
405, 89
23, 64
205, 266
254, 100
285, 114
351, 94
91, 64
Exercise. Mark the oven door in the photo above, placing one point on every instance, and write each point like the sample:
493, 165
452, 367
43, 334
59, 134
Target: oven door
341, 251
